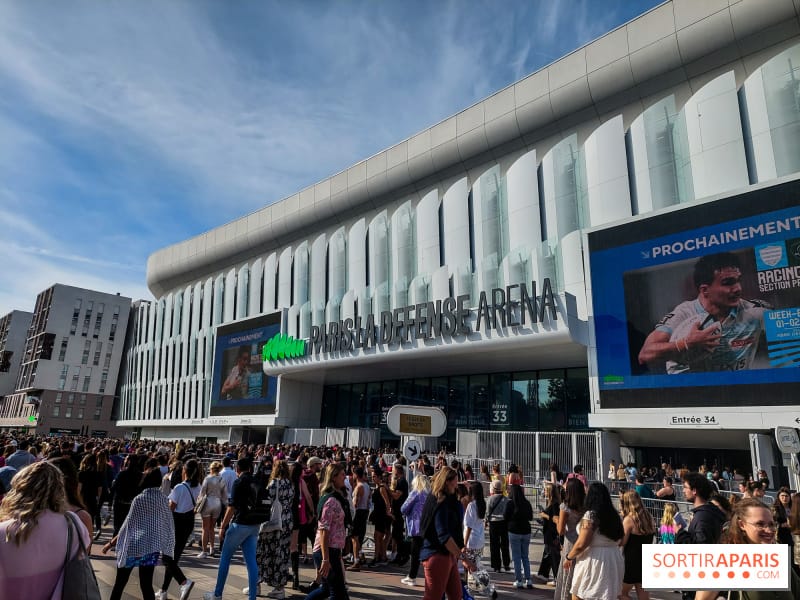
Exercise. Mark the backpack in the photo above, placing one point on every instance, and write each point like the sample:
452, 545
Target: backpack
259, 503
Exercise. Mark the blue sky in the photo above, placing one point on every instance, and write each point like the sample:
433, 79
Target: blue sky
128, 126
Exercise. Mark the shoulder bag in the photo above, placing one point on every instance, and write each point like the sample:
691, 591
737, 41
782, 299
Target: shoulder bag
275, 522
80, 582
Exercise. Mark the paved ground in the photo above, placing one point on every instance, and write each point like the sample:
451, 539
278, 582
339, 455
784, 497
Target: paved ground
365, 585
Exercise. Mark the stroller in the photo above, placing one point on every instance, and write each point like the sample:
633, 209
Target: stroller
479, 583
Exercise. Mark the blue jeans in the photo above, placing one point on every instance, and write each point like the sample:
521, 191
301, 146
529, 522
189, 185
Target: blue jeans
332, 586
236, 536
520, 542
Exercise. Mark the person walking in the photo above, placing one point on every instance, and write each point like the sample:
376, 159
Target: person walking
331, 536
213, 490
519, 535
272, 550
443, 542
362, 496
33, 534
147, 534
412, 511
239, 530
182, 500
125, 488
666, 530
596, 556
91, 488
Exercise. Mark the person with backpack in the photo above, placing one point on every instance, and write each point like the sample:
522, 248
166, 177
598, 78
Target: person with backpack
243, 518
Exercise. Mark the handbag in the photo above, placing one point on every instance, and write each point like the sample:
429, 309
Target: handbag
200, 504
80, 582
275, 522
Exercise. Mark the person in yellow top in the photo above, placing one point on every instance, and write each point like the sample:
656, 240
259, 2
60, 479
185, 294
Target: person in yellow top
496, 476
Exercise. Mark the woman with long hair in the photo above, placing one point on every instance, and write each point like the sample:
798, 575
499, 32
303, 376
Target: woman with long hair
181, 500
301, 515
412, 511
519, 535
33, 534
273, 549
331, 536
74, 502
474, 523
126, 487
105, 477
639, 527
570, 514
147, 534
90, 487
781, 509
596, 556
551, 557
380, 518
443, 542
794, 527
214, 489
752, 523
667, 528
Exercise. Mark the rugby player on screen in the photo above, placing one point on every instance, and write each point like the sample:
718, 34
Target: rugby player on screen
717, 331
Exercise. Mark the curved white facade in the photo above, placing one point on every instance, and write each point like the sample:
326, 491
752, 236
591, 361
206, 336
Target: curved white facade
675, 106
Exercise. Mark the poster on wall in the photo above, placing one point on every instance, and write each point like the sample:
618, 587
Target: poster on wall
239, 385
701, 307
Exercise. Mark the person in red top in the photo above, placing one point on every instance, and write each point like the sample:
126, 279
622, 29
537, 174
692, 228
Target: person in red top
577, 473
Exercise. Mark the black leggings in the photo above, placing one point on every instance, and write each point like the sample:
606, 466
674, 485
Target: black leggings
416, 547
145, 582
184, 525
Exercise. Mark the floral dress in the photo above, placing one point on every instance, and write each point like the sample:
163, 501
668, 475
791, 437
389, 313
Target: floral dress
272, 551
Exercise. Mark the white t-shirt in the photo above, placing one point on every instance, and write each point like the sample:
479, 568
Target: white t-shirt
184, 497
471, 520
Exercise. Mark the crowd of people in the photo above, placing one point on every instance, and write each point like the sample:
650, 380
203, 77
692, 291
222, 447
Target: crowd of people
277, 503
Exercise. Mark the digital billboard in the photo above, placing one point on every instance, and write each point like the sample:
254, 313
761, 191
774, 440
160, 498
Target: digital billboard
701, 306
239, 385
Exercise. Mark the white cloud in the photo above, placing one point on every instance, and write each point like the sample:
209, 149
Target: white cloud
129, 126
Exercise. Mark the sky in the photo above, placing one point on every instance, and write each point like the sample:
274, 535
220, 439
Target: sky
132, 125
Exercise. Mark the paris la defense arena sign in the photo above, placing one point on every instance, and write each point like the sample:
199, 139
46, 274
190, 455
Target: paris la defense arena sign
502, 307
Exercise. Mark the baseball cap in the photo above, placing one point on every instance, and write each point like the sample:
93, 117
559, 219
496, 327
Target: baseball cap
314, 460
497, 486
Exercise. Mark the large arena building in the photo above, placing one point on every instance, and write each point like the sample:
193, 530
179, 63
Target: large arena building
511, 264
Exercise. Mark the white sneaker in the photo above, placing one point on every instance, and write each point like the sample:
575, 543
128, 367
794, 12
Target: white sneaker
519, 584
246, 590
277, 593
552, 583
161, 595
202, 554
186, 589
211, 596
408, 581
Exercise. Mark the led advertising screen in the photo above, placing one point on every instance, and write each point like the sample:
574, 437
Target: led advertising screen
701, 306
239, 385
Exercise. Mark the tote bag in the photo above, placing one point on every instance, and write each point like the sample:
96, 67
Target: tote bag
80, 582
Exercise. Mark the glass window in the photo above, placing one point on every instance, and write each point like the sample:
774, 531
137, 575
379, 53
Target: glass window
372, 406
523, 401
550, 397
63, 350
56, 410
58, 397
479, 402
80, 413
457, 409
97, 414
68, 412
82, 400
70, 398
576, 389
500, 412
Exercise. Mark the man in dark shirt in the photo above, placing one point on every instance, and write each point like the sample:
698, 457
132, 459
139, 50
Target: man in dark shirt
707, 522
238, 531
